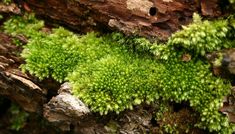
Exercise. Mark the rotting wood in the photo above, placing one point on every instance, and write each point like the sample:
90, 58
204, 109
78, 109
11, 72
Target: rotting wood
13, 83
64, 109
11, 8
149, 18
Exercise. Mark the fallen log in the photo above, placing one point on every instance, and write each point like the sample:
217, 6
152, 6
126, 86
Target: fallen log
149, 18
13, 83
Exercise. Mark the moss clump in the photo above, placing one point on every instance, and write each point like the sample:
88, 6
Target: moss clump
27, 25
201, 37
116, 82
114, 73
48, 57
232, 2
6, 1
204, 36
19, 117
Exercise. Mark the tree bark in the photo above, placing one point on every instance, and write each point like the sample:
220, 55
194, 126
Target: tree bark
149, 18
13, 83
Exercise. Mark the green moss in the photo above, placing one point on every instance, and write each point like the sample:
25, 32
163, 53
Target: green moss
201, 37
27, 25
6, 1
48, 57
232, 1
196, 39
204, 36
18, 117
1, 17
170, 129
112, 73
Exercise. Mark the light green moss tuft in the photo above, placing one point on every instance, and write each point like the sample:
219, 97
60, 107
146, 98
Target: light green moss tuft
201, 37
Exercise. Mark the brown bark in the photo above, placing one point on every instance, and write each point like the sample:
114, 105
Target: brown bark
225, 69
11, 8
13, 83
150, 18
64, 109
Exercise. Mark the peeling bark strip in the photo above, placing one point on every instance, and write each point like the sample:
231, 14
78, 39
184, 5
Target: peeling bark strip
141, 5
65, 109
9, 59
150, 18
14, 84
70, 114
28, 95
11, 8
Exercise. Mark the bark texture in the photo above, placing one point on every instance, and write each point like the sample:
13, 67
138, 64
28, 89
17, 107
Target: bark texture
150, 18
11, 8
14, 84
226, 70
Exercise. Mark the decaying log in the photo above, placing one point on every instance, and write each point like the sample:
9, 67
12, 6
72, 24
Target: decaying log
226, 69
14, 84
209, 8
150, 18
229, 106
11, 8
229, 60
226, 58
64, 109
21, 90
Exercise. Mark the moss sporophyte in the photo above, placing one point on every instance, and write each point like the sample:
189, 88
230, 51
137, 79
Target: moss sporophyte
113, 72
